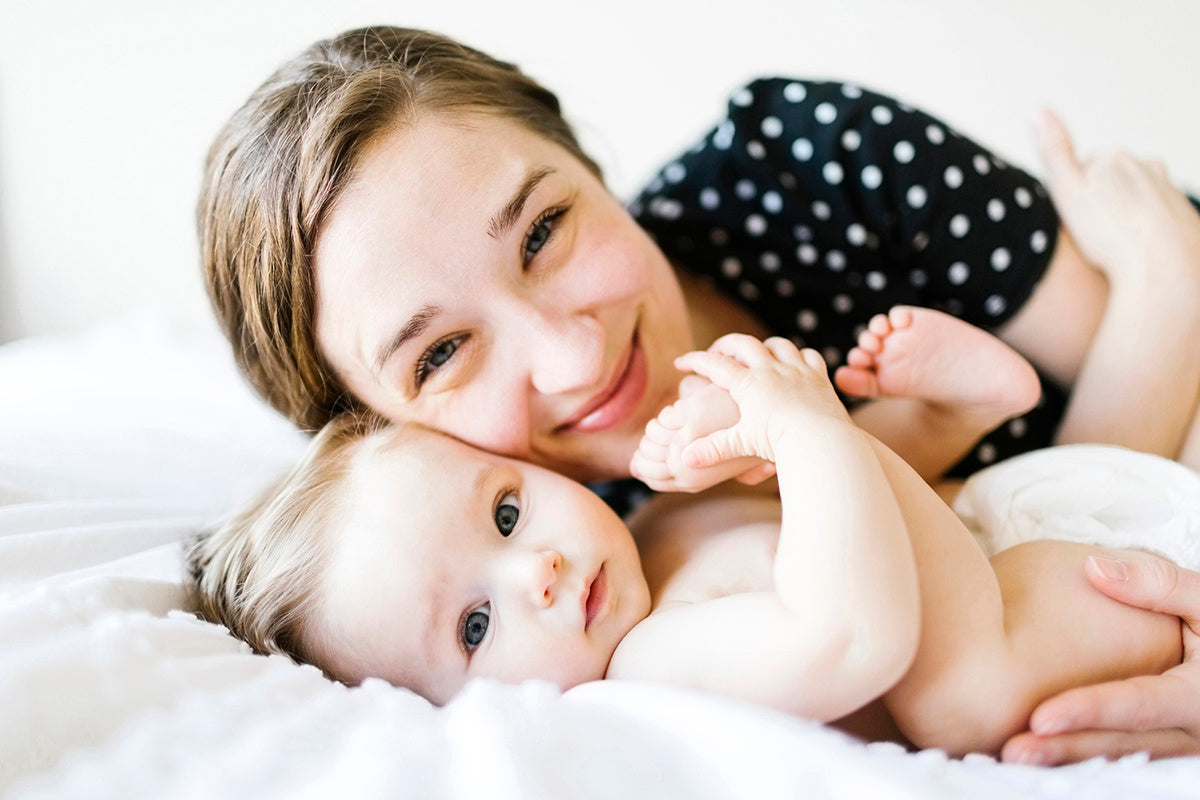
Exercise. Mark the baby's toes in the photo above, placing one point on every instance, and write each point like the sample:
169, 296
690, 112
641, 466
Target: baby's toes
900, 317
870, 342
880, 325
860, 359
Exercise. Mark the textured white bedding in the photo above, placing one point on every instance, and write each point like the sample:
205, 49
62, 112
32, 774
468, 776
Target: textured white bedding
118, 443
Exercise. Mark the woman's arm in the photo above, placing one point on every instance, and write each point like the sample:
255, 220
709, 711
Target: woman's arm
1158, 714
842, 623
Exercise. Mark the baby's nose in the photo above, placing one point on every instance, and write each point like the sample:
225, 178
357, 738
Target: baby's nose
544, 567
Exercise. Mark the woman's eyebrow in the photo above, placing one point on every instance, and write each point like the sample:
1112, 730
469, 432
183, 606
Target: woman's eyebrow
417, 324
511, 212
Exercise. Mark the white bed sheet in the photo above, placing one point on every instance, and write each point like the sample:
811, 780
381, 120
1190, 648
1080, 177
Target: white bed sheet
119, 443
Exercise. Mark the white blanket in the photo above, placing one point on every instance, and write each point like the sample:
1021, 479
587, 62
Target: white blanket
118, 444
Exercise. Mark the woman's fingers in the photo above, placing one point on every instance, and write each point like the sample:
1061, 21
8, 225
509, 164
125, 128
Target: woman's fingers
1063, 171
1149, 582
1026, 748
1144, 703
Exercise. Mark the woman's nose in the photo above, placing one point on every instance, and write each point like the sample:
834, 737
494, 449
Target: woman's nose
566, 352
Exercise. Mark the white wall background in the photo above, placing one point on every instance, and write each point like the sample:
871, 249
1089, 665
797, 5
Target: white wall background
106, 108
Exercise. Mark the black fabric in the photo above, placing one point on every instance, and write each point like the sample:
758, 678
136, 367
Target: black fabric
820, 204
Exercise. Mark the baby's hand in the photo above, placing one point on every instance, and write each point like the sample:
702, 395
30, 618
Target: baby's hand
702, 409
776, 387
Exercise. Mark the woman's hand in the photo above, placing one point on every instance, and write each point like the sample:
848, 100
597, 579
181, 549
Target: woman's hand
1123, 212
1157, 714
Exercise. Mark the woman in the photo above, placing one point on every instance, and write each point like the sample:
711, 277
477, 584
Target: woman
399, 223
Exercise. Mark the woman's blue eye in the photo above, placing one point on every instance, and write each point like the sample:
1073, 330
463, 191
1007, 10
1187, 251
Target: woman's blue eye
541, 232
507, 514
436, 356
475, 626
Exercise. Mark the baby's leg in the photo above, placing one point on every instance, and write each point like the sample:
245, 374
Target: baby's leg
964, 382
998, 638
1058, 633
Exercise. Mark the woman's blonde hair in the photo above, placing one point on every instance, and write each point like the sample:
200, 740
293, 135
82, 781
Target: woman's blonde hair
259, 573
282, 160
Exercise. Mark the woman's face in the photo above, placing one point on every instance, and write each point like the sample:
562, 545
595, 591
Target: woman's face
476, 278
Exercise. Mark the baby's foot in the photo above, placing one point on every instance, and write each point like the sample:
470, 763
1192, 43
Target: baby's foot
928, 355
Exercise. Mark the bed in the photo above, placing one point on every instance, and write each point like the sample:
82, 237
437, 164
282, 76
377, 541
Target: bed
121, 441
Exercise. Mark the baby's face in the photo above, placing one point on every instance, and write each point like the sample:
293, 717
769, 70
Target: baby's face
451, 563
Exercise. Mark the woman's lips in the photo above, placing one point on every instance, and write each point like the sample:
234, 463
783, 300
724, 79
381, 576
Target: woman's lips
596, 597
618, 400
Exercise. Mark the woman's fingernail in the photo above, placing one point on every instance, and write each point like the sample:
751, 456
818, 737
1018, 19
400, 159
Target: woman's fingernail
1109, 568
1050, 727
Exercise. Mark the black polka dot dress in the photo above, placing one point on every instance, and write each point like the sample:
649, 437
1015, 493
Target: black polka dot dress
819, 204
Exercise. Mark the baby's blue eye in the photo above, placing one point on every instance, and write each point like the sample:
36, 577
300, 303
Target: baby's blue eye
475, 627
507, 514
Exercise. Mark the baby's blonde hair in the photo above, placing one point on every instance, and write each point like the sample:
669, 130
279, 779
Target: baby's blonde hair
259, 572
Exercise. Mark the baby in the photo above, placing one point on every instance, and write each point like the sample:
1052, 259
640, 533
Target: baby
400, 553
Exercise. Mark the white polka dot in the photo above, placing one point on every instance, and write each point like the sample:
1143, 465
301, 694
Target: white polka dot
807, 254
999, 162
986, 452
769, 261
756, 150
904, 151
835, 260
1022, 197
807, 320
851, 139
718, 236
918, 278
920, 241
876, 281
756, 225
1018, 427
825, 113
995, 209
856, 235
655, 185
1001, 259
772, 202
787, 180
802, 149
995, 305
803, 233
959, 226
794, 92
981, 164
881, 114
872, 176
842, 303
934, 134
916, 196
821, 209
958, 273
665, 208
745, 189
1038, 241
748, 290
723, 136
832, 356
743, 98
731, 267
710, 198
832, 172
674, 172
953, 177
784, 287
772, 127
851, 91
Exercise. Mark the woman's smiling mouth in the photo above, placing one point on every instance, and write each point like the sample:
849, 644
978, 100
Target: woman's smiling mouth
619, 399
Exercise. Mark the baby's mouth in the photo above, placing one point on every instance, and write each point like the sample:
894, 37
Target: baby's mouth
596, 597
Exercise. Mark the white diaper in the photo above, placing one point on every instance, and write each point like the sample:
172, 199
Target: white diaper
1097, 494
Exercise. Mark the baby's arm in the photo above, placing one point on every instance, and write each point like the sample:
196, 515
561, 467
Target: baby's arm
841, 625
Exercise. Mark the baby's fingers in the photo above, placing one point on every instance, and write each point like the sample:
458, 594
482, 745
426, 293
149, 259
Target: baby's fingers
723, 370
1064, 175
